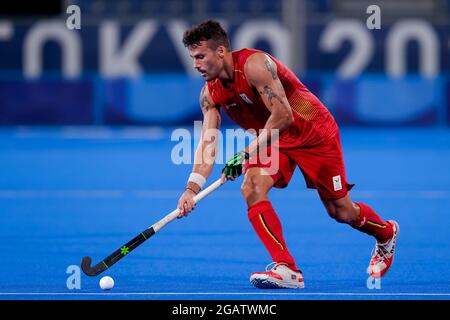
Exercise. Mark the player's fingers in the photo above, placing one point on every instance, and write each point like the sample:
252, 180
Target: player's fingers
182, 212
180, 207
188, 205
223, 177
186, 208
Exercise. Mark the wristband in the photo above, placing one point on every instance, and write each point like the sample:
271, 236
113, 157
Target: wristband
197, 178
187, 188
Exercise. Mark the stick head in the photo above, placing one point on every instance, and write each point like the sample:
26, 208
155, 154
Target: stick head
87, 269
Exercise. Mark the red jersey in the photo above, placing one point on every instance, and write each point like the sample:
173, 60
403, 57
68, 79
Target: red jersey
313, 122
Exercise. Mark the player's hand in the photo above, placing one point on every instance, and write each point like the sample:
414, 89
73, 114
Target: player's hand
186, 203
233, 167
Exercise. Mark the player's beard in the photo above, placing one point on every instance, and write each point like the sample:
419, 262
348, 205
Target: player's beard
211, 74
208, 76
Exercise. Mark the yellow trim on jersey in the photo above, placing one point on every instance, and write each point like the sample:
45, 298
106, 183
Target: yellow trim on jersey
269, 232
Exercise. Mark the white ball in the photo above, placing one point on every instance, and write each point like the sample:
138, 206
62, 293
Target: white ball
106, 283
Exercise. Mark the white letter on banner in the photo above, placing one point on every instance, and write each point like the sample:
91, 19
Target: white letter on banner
273, 32
116, 61
6, 30
336, 33
397, 40
175, 29
43, 32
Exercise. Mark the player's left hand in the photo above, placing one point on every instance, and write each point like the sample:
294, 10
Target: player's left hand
233, 167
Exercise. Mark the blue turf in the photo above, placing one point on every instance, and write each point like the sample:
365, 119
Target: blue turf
65, 194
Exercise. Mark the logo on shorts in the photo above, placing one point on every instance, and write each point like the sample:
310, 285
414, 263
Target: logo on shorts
337, 184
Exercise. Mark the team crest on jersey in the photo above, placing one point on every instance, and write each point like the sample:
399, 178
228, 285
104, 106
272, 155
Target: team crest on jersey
245, 98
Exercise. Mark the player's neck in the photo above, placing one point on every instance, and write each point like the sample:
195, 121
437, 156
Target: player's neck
227, 74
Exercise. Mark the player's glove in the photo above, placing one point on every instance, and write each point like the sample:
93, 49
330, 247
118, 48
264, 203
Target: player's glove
233, 167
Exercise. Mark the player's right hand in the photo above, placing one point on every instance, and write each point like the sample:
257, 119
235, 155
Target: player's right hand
186, 203
233, 167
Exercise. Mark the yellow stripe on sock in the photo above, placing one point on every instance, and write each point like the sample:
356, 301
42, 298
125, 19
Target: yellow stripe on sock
376, 224
270, 232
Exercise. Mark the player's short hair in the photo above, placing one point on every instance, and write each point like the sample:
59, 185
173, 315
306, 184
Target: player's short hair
207, 30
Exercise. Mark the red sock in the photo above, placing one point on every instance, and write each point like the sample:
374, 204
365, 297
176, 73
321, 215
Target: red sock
370, 222
268, 228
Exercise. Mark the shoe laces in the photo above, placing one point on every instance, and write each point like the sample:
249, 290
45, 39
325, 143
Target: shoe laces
273, 265
381, 251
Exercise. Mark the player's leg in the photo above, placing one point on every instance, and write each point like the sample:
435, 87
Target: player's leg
333, 189
363, 218
267, 226
360, 216
263, 217
323, 168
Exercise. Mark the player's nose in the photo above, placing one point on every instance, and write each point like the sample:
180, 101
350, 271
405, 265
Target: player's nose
196, 65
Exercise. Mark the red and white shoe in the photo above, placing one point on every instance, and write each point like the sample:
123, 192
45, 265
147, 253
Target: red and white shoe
383, 254
279, 276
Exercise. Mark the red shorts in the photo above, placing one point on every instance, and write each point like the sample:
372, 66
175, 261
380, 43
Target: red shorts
322, 166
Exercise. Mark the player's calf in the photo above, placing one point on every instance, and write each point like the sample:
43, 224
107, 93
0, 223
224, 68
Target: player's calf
342, 210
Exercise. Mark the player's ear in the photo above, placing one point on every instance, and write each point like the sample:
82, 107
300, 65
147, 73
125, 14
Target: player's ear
221, 51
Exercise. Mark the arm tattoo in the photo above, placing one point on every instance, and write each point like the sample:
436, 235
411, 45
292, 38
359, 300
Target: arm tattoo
270, 68
271, 94
218, 122
205, 103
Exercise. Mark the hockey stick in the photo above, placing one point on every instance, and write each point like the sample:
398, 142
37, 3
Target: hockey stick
140, 238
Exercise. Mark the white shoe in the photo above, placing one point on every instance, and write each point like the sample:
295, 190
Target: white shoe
383, 254
279, 276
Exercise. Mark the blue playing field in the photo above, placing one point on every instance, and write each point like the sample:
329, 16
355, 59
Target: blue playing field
66, 193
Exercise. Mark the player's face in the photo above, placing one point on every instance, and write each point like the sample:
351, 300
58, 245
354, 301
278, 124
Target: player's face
206, 60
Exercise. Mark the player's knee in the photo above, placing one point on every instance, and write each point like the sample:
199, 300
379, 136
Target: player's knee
253, 189
246, 189
342, 214
249, 188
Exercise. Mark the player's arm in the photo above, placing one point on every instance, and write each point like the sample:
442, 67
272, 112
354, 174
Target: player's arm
205, 153
261, 73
